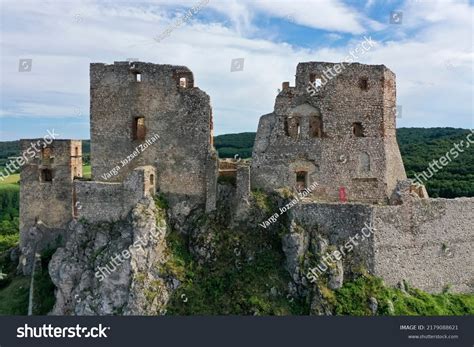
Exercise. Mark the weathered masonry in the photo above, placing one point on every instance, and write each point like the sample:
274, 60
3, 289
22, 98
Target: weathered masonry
133, 102
47, 191
342, 137
151, 130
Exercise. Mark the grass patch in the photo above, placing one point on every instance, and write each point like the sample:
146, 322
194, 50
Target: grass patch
11, 179
86, 171
245, 277
43, 296
9, 216
353, 298
14, 296
13, 288
8, 241
263, 201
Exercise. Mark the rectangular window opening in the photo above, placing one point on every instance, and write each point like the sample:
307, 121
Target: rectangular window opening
139, 129
301, 180
46, 175
364, 83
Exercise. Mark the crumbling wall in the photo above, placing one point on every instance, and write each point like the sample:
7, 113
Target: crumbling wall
172, 109
395, 170
46, 193
103, 201
427, 242
48, 200
242, 190
340, 134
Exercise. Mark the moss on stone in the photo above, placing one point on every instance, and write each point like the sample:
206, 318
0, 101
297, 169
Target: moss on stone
263, 201
353, 298
245, 276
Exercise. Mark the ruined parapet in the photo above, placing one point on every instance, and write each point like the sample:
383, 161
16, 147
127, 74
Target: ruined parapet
342, 135
46, 193
157, 112
110, 202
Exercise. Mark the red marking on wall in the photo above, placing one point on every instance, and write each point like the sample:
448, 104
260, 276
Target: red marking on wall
342, 194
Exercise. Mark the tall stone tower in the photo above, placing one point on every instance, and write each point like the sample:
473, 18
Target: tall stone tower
47, 191
340, 134
150, 114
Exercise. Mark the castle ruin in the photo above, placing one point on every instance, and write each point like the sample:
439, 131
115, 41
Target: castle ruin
151, 131
343, 137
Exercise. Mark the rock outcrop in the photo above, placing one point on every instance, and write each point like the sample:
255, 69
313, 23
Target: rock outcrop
113, 268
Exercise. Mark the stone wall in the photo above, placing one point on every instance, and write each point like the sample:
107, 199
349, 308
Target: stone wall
46, 193
49, 199
321, 228
212, 172
109, 202
343, 136
428, 242
242, 190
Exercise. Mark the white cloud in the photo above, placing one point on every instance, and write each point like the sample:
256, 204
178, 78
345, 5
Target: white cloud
432, 92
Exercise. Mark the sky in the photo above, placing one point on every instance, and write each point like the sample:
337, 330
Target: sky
47, 46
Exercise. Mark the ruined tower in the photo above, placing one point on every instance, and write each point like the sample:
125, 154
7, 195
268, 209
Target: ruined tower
340, 134
47, 191
153, 115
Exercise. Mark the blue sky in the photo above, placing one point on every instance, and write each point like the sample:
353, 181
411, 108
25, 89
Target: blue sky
430, 51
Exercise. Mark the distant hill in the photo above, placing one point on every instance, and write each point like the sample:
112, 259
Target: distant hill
229, 145
12, 149
419, 147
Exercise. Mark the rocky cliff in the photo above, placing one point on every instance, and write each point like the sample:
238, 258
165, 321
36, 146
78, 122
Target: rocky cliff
113, 268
